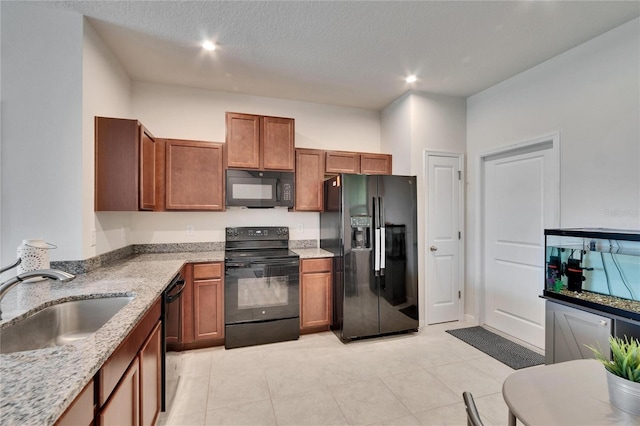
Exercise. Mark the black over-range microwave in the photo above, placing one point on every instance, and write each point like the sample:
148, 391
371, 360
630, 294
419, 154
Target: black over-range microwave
259, 189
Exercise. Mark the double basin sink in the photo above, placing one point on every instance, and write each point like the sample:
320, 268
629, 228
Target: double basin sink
60, 324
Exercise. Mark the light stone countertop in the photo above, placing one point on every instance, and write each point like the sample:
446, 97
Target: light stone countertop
310, 253
36, 387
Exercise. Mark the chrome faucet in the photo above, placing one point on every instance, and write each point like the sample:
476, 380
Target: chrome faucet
13, 265
48, 273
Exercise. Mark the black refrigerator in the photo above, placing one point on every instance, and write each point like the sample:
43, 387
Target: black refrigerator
369, 223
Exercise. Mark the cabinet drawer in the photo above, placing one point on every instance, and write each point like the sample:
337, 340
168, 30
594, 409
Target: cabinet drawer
207, 270
315, 265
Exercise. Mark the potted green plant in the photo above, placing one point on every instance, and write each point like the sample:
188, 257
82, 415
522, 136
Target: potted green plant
623, 372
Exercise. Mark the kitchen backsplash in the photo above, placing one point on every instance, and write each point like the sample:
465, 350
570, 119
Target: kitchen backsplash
87, 265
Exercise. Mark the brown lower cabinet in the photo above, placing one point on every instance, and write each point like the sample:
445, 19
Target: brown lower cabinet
316, 307
135, 400
150, 377
202, 307
126, 389
82, 410
122, 408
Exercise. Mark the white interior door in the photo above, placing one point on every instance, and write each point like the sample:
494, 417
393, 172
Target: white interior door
521, 199
443, 238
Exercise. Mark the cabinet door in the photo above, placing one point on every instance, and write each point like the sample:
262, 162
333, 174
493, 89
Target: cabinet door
208, 309
122, 409
277, 148
116, 164
80, 413
147, 170
194, 175
569, 330
316, 304
309, 179
186, 304
342, 162
243, 140
160, 174
150, 360
375, 164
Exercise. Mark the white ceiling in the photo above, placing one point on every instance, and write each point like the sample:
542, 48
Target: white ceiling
352, 53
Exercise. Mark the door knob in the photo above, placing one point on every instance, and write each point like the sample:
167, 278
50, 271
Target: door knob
433, 248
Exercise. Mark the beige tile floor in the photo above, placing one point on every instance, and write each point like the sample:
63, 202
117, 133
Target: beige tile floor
409, 379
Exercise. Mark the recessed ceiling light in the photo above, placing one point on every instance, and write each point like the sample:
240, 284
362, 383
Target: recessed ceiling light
411, 79
208, 45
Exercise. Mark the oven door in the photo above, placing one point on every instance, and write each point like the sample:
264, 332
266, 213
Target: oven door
261, 290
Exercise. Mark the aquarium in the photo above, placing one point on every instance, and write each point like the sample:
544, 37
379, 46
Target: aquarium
595, 261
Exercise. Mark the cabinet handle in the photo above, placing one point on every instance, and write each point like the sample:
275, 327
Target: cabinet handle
433, 248
603, 323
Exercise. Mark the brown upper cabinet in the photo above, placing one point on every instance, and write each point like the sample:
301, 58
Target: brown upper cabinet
194, 175
375, 164
357, 162
309, 179
313, 164
259, 142
125, 166
342, 162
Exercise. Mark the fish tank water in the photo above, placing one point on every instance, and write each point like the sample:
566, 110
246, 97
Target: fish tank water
593, 261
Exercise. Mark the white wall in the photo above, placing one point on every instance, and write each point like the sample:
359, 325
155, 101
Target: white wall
186, 113
411, 125
439, 124
591, 95
41, 128
106, 91
396, 134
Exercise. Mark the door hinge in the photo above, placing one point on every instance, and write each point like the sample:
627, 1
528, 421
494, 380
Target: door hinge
459, 294
459, 175
459, 235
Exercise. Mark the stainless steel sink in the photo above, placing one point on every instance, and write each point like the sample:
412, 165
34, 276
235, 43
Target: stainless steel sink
60, 324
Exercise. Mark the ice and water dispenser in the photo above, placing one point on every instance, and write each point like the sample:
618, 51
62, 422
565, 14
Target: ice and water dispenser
360, 232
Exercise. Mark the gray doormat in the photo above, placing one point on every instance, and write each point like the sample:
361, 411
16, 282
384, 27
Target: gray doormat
504, 350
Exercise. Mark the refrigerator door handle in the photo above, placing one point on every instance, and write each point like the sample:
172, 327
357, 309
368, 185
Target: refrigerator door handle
376, 238
383, 235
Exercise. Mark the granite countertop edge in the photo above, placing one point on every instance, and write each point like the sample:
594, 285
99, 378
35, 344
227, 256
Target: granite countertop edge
312, 253
36, 387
